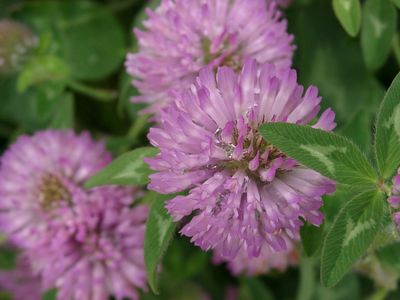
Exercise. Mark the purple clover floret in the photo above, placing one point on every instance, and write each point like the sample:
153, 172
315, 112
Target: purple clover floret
394, 199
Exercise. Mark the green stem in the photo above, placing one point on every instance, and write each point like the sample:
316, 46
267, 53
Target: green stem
98, 94
137, 128
307, 284
380, 294
396, 48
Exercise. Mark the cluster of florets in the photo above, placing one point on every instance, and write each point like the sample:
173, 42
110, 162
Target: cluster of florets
86, 243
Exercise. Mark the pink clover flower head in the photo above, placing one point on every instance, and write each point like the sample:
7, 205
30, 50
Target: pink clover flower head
243, 192
183, 36
86, 243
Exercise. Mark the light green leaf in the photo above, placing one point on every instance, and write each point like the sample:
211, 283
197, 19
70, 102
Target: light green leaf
254, 289
349, 14
42, 69
330, 154
311, 238
397, 3
378, 29
387, 138
353, 231
160, 229
127, 169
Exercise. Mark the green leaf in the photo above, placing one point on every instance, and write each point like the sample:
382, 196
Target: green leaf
254, 289
348, 288
311, 238
387, 138
42, 69
349, 14
160, 229
389, 255
7, 258
330, 154
353, 231
86, 35
397, 3
50, 295
32, 110
378, 29
127, 169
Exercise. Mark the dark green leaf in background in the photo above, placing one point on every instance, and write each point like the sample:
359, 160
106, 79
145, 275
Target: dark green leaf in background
85, 34
330, 154
353, 231
389, 255
378, 29
254, 289
387, 138
50, 295
397, 3
348, 288
311, 238
33, 109
127, 169
8, 258
160, 229
329, 59
349, 14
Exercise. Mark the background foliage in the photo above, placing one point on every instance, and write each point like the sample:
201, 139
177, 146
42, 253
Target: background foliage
75, 78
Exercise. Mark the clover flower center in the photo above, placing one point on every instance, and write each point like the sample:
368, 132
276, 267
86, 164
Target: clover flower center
246, 150
223, 53
52, 191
